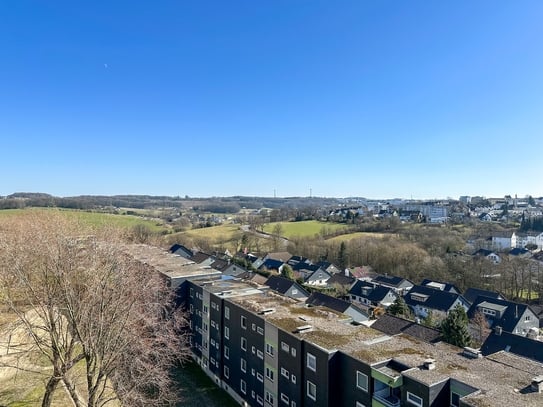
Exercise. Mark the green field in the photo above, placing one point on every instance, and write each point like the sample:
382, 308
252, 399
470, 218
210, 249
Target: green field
308, 228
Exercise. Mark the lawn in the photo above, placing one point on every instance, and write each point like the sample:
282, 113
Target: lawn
357, 235
308, 228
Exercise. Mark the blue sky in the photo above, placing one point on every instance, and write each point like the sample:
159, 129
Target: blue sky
379, 99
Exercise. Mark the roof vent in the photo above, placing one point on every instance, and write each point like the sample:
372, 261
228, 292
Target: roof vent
537, 384
305, 319
267, 311
429, 364
303, 328
472, 353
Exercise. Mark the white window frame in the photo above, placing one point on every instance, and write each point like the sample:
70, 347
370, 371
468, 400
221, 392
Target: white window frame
259, 377
359, 404
227, 312
311, 362
359, 376
243, 365
293, 378
243, 322
311, 390
227, 332
270, 375
226, 371
270, 350
268, 397
285, 347
414, 400
243, 386
285, 399
226, 352
243, 343
285, 373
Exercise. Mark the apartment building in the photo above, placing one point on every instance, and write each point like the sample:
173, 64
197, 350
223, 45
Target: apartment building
269, 350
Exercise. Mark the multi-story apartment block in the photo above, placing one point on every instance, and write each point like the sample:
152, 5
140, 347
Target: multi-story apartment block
268, 350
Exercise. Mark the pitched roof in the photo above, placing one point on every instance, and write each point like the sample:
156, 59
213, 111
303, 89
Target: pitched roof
392, 325
519, 345
281, 256
430, 298
518, 251
471, 294
363, 271
510, 311
220, 265
200, 257
372, 292
254, 277
271, 264
392, 281
319, 299
440, 285
279, 284
340, 279
181, 250
483, 252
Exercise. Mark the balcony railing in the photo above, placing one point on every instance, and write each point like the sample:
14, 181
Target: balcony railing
383, 396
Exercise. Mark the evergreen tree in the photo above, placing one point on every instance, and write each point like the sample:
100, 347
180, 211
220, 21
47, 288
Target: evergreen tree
455, 327
398, 307
429, 321
342, 256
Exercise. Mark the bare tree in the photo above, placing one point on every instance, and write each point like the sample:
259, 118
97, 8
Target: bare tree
81, 299
481, 327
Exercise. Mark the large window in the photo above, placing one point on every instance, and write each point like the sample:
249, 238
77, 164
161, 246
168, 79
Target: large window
243, 322
361, 381
227, 312
311, 390
243, 343
311, 362
227, 332
414, 400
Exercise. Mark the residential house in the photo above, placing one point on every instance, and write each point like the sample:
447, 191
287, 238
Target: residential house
373, 295
254, 278
504, 240
328, 267
438, 285
318, 278
499, 340
340, 282
279, 256
398, 284
272, 265
287, 287
357, 313
181, 250
471, 294
520, 253
422, 299
489, 255
485, 217
362, 272
393, 325
203, 259
511, 316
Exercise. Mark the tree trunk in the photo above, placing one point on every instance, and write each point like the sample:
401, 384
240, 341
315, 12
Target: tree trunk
50, 390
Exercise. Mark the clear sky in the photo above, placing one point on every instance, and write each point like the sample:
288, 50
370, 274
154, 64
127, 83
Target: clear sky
382, 99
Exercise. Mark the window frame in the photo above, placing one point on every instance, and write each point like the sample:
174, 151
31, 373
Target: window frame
414, 400
359, 375
311, 362
312, 395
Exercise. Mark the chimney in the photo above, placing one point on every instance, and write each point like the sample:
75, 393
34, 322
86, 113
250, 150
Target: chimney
537, 384
429, 364
498, 330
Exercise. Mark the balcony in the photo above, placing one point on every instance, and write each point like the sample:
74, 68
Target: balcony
384, 398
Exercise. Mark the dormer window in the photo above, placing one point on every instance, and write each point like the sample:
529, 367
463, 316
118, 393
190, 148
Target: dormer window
419, 297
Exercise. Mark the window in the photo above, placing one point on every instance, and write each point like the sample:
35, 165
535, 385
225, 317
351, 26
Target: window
293, 379
359, 404
243, 365
243, 386
226, 372
269, 397
191, 292
191, 309
253, 372
227, 352
311, 362
253, 349
285, 373
259, 400
227, 312
269, 349
243, 343
285, 347
294, 291
361, 381
293, 351
455, 400
260, 330
527, 318
212, 324
285, 399
292, 404
227, 332
311, 390
253, 327
206, 309
243, 322
260, 354
205, 327
259, 377
252, 393
269, 373
213, 305
414, 400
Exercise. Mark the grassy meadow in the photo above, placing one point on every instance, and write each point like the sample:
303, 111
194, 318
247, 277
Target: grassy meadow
308, 228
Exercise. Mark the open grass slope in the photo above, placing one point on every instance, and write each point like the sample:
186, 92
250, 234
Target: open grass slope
93, 219
357, 235
308, 228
